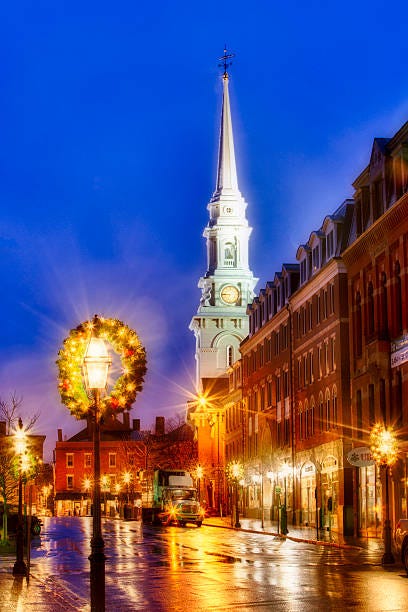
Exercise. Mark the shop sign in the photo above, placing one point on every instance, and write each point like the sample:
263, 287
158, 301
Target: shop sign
399, 351
360, 457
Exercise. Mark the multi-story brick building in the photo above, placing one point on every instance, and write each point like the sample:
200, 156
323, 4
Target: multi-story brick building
326, 358
377, 264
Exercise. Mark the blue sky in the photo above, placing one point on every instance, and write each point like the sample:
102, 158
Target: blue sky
110, 116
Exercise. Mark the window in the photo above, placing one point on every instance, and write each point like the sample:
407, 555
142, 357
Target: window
315, 258
383, 404
332, 353
359, 415
330, 244
327, 412
320, 360
370, 309
335, 417
278, 388
383, 306
398, 298
321, 415
87, 460
371, 405
112, 460
311, 377
358, 326
230, 356
70, 482
318, 308
331, 296
303, 270
299, 376
69, 460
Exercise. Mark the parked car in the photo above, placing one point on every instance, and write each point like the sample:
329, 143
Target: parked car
401, 541
12, 521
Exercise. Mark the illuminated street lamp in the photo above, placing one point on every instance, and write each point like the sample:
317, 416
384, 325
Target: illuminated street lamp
95, 370
20, 568
235, 473
384, 447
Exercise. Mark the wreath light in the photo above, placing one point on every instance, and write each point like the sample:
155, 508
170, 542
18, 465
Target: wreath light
125, 342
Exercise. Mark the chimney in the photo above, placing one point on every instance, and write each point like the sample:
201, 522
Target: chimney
126, 420
159, 426
136, 424
60, 435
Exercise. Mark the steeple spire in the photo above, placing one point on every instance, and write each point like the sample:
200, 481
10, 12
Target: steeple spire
227, 181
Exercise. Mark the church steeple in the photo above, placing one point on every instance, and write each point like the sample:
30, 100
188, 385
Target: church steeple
227, 287
227, 180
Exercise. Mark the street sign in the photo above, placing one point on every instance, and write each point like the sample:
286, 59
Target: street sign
360, 457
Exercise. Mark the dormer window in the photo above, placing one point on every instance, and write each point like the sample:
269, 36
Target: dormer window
330, 244
303, 270
316, 258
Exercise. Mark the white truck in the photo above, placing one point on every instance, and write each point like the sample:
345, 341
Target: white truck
174, 499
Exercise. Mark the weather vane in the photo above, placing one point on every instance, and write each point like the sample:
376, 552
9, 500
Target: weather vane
224, 59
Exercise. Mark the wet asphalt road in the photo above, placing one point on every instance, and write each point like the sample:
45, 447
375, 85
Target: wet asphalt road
190, 569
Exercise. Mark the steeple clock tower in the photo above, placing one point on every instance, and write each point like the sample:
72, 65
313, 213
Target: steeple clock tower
221, 322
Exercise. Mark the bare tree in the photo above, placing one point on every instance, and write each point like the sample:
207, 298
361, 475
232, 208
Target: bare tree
11, 410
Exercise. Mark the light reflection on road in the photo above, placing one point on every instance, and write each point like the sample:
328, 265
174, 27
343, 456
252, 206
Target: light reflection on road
208, 568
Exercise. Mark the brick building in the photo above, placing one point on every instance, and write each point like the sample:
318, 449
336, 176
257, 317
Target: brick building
128, 458
326, 358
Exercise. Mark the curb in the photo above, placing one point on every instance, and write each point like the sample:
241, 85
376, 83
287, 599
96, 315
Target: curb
288, 537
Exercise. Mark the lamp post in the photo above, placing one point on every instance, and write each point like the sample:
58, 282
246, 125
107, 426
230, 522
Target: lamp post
20, 568
284, 515
199, 474
384, 447
95, 369
235, 473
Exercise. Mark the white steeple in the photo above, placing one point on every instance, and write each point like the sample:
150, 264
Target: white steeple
221, 322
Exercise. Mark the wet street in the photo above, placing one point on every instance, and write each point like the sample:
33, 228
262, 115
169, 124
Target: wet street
208, 568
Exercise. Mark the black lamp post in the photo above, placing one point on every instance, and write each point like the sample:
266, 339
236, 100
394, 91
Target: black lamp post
95, 368
20, 568
384, 448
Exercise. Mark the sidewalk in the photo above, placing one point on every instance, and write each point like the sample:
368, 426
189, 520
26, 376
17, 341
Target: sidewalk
299, 534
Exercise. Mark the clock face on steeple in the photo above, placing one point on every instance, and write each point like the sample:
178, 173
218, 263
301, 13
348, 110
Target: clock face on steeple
229, 294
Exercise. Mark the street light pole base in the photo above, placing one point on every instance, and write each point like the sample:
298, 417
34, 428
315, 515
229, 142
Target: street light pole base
19, 569
237, 525
387, 559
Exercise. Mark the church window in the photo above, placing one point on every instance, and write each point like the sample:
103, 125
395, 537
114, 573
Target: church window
230, 355
229, 254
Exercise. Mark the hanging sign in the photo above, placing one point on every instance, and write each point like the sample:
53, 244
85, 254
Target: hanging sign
360, 457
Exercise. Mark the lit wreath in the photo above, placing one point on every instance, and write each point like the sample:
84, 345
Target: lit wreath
124, 342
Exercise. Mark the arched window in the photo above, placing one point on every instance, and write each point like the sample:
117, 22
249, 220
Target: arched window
358, 326
321, 412
306, 419
327, 411
300, 409
230, 355
311, 417
370, 309
334, 408
229, 254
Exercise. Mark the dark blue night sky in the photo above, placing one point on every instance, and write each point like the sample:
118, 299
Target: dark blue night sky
109, 126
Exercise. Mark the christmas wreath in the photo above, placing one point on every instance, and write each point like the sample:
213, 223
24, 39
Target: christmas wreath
125, 343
